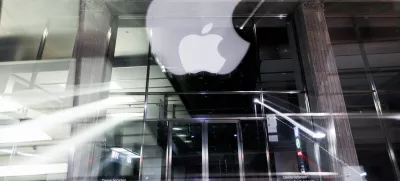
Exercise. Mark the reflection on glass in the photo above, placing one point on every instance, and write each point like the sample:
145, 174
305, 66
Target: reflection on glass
254, 149
186, 151
223, 151
154, 151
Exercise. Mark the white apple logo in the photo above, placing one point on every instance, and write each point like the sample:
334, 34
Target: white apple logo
198, 53
173, 28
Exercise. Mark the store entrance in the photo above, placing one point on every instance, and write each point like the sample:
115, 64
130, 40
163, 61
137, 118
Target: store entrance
206, 150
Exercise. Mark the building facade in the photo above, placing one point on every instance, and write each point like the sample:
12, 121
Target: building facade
99, 90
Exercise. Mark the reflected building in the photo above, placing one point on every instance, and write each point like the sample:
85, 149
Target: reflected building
84, 96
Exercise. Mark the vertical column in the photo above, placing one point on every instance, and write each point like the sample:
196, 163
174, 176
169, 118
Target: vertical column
92, 71
325, 92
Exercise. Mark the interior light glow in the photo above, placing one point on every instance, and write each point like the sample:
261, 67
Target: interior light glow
181, 135
363, 174
125, 115
39, 169
114, 85
177, 129
6, 151
22, 134
319, 135
62, 85
188, 141
8, 105
21, 153
126, 152
306, 130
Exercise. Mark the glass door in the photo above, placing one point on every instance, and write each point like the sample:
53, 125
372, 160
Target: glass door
223, 151
205, 151
186, 153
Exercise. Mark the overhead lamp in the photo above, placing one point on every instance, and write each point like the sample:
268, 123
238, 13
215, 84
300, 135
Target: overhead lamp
125, 115
8, 105
317, 135
22, 134
21, 153
114, 85
35, 169
126, 152
177, 129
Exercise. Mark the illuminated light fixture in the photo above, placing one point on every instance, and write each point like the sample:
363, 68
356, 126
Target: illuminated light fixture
181, 135
8, 105
35, 169
62, 85
21, 153
120, 100
188, 141
22, 134
177, 129
126, 152
363, 174
125, 115
306, 130
114, 85
6, 151
114, 154
319, 135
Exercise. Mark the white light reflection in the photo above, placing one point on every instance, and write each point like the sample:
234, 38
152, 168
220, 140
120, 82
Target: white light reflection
64, 116
81, 138
37, 169
306, 130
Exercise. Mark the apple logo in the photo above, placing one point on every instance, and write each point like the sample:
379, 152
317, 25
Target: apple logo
194, 49
173, 28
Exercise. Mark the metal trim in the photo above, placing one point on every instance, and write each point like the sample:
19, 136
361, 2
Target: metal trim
210, 93
265, 127
146, 100
240, 150
168, 164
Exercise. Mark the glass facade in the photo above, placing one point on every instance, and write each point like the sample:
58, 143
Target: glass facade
110, 90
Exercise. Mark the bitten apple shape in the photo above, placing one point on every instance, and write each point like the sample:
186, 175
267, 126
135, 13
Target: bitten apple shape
199, 53
173, 28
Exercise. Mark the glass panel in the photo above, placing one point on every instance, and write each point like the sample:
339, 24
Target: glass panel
368, 137
390, 105
223, 151
380, 36
254, 149
187, 151
154, 150
347, 54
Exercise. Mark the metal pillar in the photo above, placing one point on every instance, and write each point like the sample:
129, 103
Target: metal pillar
377, 102
204, 151
168, 168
